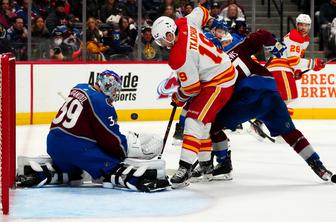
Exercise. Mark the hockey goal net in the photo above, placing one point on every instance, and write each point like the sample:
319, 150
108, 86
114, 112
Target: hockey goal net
7, 129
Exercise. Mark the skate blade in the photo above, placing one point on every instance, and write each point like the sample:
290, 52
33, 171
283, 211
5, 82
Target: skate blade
224, 177
202, 179
177, 142
180, 185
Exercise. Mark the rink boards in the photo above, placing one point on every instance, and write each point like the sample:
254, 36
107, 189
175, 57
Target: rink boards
42, 86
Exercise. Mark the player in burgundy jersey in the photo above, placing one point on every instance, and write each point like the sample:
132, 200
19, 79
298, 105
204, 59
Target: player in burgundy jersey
85, 136
256, 96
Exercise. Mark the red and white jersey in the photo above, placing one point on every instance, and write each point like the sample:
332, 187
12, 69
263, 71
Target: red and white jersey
292, 58
197, 61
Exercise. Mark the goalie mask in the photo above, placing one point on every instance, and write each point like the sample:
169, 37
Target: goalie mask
109, 83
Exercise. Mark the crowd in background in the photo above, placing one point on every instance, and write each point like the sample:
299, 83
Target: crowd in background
111, 33
111, 27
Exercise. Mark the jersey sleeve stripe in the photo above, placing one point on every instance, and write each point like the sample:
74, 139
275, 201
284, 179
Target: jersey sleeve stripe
192, 89
223, 77
293, 60
205, 16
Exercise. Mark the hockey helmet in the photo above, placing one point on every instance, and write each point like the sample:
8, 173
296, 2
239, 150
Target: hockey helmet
109, 83
303, 18
219, 24
161, 27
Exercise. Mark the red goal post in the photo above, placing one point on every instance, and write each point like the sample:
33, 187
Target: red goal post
7, 128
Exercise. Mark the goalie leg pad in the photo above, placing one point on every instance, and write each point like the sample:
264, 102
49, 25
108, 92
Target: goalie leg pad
39, 171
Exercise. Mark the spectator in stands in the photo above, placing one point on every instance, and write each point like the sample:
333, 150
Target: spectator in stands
188, 7
40, 39
92, 8
232, 15
131, 9
57, 17
94, 42
4, 43
215, 10
23, 11
149, 49
327, 12
111, 7
6, 13
42, 7
225, 12
326, 16
17, 35
128, 34
169, 11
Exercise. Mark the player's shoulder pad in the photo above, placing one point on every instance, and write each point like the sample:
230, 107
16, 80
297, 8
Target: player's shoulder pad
295, 36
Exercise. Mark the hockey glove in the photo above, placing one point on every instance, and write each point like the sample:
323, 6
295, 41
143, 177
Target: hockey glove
278, 49
297, 74
179, 99
317, 64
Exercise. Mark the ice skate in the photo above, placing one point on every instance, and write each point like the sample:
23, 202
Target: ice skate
320, 170
222, 171
181, 177
203, 172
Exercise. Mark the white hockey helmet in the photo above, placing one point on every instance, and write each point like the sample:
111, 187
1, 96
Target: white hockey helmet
303, 18
161, 27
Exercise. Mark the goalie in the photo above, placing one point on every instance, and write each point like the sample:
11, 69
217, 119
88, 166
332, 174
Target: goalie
85, 136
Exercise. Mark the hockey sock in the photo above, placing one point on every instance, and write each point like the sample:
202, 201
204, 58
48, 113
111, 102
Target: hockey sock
205, 150
182, 118
190, 148
300, 144
220, 145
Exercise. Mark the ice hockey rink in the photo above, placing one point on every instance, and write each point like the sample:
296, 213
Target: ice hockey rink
271, 183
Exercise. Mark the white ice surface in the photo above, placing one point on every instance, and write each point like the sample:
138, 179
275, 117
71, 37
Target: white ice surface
271, 183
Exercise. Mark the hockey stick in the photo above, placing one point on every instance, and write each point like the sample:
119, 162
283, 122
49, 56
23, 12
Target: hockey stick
307, 70
262, 132
168, 129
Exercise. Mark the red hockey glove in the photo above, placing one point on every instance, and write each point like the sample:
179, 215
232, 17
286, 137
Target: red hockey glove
317, 64
297, 74
176, 99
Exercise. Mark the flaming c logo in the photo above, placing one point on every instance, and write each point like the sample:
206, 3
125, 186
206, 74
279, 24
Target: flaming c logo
166, 88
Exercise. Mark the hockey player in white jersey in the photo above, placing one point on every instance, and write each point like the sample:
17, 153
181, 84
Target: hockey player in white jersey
287, 68
207, 79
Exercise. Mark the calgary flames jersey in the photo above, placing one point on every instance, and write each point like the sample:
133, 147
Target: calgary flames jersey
197, 61
292, 58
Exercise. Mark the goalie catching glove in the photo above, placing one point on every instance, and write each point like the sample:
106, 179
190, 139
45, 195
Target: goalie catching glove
143, 146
